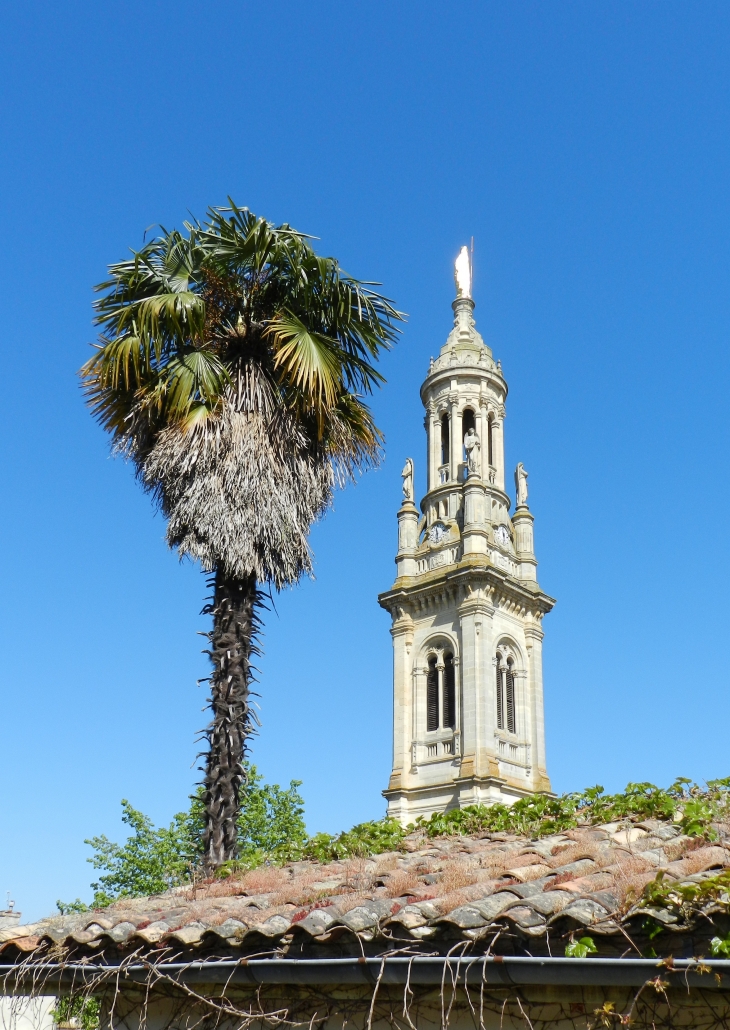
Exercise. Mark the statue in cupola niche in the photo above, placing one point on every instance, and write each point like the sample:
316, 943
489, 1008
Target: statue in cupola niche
473, 448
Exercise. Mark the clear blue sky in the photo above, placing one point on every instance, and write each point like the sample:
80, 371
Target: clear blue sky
585, 146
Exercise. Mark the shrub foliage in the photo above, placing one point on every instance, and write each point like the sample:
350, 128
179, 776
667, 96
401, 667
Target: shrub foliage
154, 859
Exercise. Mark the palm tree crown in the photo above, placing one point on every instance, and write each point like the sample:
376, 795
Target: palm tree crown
231, 369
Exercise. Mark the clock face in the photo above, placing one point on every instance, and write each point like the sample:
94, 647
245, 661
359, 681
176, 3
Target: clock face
437, 533
501, 535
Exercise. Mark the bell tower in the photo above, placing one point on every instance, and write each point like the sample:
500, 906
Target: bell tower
468, 724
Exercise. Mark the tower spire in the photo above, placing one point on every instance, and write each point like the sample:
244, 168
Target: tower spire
464, 332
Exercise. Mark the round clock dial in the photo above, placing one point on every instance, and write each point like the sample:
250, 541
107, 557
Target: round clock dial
437, 533
501, 535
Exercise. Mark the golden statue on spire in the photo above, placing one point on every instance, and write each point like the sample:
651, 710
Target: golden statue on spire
462, 273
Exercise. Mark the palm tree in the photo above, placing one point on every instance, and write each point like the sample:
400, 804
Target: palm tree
231, 368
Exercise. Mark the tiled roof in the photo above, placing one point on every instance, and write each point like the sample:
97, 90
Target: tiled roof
507, 893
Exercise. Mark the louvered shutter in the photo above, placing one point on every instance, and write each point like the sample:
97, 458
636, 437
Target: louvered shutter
432, 696
449, 692
500, 704
510, 692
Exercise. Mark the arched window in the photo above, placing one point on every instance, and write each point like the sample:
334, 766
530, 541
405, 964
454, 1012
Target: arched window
432, 695
506, 715
449, 692
490, 445
445, 439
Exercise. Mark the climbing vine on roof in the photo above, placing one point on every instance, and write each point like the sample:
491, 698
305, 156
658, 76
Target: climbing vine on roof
272, 830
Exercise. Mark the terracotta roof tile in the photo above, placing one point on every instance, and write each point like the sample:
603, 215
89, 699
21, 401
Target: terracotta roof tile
499, 889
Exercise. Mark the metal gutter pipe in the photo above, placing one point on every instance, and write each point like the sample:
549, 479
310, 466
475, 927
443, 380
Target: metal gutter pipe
495, 970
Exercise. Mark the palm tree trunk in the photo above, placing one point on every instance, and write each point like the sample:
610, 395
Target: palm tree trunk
235, 623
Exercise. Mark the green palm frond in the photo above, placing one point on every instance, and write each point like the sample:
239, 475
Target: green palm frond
169, 316
237, 327
193, 378
309, 361
354, 441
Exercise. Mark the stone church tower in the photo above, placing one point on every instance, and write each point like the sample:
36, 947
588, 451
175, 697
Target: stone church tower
467, 611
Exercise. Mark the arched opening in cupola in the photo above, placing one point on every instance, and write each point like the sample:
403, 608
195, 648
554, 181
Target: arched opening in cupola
468, 421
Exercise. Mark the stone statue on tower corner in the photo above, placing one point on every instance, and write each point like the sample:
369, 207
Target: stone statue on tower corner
521, 486
407, 475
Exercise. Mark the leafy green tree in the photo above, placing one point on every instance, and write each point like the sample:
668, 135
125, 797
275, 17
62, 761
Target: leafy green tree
150, 861
231, 369
153, 859
271, 820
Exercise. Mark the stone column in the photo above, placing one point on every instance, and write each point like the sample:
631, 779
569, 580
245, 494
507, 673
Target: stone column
533, 638
458, 707
457, 441
483, 430
498, 451
415, 716
433, 428
523, 707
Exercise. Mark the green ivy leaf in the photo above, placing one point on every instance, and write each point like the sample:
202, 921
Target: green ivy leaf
720, 946
581, 948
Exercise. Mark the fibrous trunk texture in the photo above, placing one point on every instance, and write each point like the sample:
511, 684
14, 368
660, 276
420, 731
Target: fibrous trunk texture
241, 493
232, 639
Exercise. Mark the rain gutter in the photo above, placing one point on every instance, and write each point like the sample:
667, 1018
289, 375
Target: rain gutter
493, 970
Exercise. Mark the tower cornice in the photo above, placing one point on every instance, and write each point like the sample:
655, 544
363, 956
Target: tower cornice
462, 368
470, 574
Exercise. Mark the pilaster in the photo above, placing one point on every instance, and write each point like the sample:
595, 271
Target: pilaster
533, 638
402, 634
523, 520
407, 540
474, 536
475, 631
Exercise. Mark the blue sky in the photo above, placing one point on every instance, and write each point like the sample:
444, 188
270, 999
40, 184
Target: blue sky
585, 147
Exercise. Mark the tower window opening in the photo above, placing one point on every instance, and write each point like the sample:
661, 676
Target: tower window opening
506, 715
445, 439
449, 692
490, 445
467, 422
432, 695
